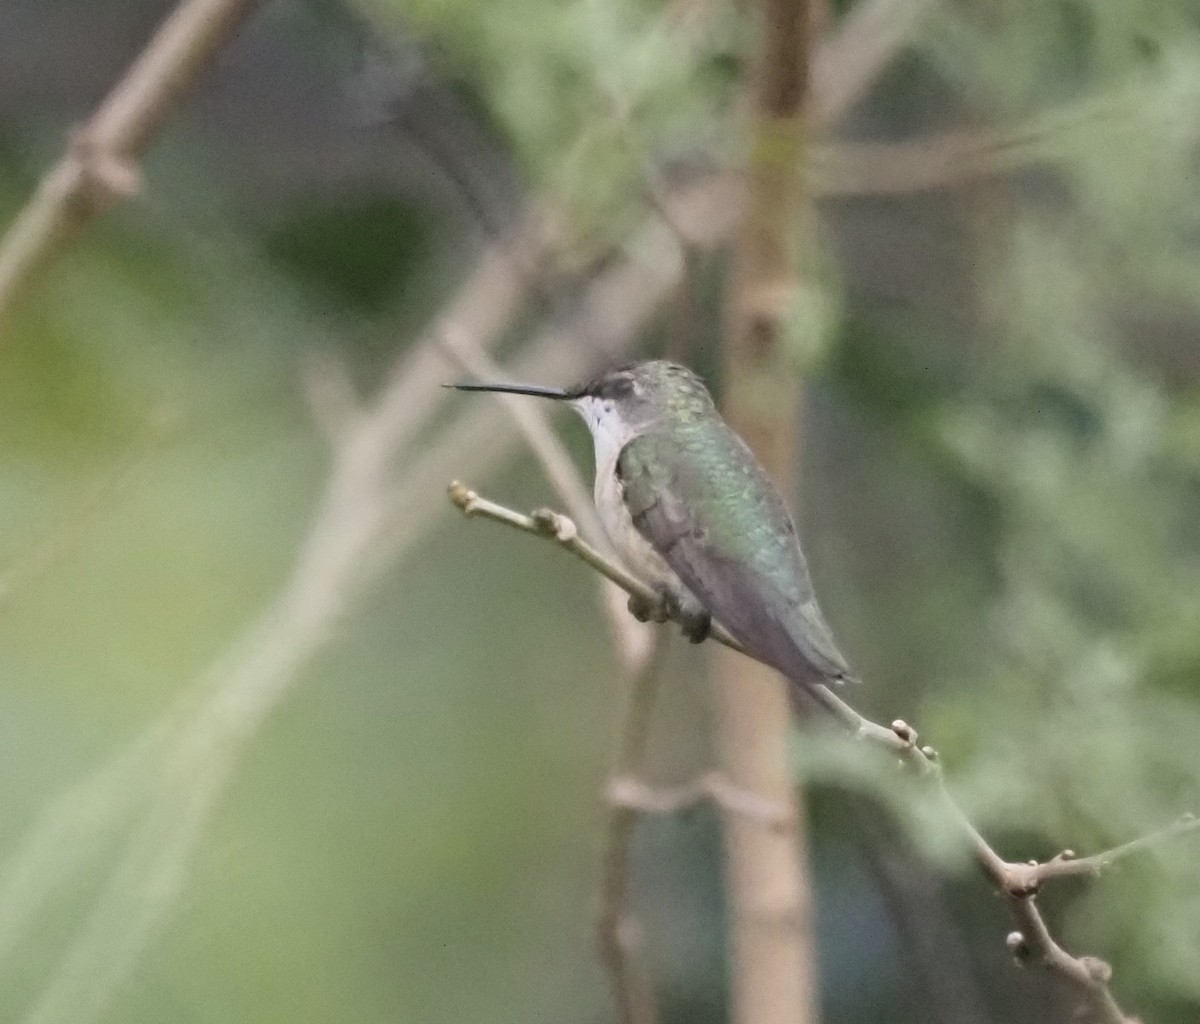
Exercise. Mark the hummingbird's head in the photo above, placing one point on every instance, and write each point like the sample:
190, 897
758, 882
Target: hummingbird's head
619, 404
640, 394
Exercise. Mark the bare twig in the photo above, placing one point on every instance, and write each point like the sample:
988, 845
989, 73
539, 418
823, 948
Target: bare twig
633, 642
534, 427
847, 63
100, 165
682, 336
547, 523
617, 933
1066, 863
1017, 882
711, 787
368, 516
332, 399
557, 526
942, 160
484, 307
961, 155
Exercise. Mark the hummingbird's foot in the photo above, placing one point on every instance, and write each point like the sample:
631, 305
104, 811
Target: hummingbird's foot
648, 611
696, 627
691, 615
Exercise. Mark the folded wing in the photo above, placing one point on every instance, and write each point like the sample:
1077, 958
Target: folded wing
708, 508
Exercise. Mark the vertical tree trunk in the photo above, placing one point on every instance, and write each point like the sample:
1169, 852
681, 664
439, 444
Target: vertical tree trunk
773, 963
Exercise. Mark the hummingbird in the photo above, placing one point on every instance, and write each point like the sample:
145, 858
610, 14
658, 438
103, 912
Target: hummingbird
693, 514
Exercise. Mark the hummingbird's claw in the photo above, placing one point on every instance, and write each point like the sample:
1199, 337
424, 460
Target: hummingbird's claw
644, 610
696, 626
689, 613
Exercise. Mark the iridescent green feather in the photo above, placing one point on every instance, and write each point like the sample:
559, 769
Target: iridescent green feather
699, 496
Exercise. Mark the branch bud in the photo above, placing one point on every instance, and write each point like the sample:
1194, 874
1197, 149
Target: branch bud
1018, 947
460, 495
1098, 970
554, 524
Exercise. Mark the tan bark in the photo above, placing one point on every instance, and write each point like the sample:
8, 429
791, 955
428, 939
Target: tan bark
773, 962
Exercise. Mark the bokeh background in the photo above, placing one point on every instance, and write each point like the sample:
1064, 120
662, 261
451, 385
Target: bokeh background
1000, 496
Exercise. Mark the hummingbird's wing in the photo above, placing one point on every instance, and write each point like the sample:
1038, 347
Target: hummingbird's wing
703, 502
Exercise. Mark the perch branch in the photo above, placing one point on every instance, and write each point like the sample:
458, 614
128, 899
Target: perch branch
100, 167
1018, 882
632, 640
371, 514
534, 427
554, 525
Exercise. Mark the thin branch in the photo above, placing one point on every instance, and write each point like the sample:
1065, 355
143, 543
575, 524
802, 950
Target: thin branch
710, 788
958, 156
632, 641
849, 62
100, 165
926, 163
1017, 882
618, 937
617, 934
535, 428
554, 525
1030, 877
611, 311
371, 513
332, 399
685, 326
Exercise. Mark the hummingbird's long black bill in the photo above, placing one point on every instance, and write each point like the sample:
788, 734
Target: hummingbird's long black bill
560, 394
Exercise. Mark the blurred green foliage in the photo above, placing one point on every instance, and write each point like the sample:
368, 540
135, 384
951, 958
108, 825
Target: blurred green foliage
1002, 492
591, 94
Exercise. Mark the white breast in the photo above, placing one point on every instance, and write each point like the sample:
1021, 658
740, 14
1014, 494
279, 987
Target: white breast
610, 434
609, 430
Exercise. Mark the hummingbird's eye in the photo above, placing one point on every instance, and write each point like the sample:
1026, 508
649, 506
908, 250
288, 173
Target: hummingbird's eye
620, 387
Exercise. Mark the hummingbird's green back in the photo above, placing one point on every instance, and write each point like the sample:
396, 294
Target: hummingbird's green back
703, 501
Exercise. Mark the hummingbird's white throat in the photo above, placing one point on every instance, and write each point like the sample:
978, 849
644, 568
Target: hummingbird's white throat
610, 430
